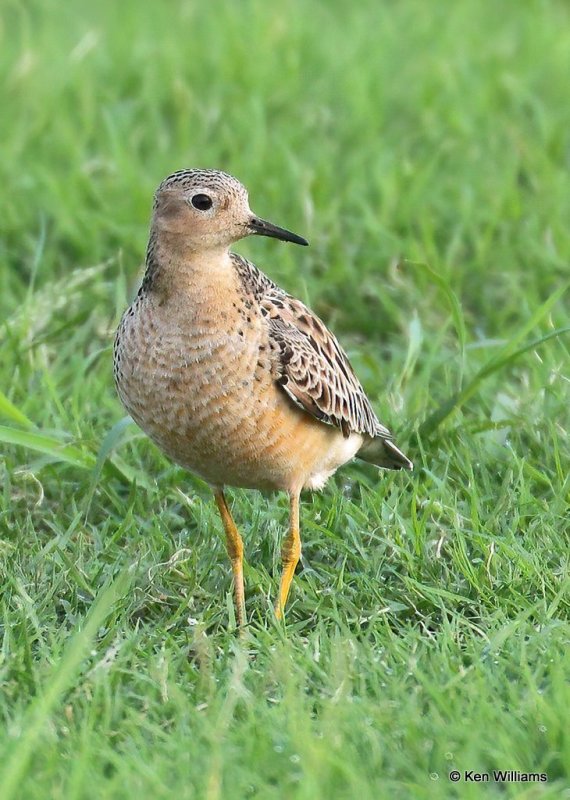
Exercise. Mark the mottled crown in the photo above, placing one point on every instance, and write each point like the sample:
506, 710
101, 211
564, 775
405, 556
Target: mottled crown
203, 179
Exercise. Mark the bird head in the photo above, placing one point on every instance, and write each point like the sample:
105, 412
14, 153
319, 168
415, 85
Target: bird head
211, 210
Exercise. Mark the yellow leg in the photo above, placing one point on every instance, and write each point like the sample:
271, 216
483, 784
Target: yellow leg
291, 554
234, 546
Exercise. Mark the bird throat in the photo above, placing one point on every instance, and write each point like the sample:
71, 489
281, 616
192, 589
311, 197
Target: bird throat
173, 265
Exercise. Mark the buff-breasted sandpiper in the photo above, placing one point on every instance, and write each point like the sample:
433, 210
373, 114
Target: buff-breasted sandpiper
232, 377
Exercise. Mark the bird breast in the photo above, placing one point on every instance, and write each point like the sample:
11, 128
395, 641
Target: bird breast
196, 374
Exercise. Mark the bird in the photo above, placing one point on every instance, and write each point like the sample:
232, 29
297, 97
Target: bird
232, 377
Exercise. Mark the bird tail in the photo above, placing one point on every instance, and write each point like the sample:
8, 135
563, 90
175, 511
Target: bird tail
384, 453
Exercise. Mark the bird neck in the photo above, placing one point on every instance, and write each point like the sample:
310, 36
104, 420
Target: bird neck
175, 263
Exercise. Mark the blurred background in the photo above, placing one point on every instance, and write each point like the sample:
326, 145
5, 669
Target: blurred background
385, 133
423, 149
401, 140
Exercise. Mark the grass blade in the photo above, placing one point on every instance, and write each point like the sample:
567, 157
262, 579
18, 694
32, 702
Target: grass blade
59, 451
454, 304
509, 353
43, 443
9, 410
62, 676
111, 440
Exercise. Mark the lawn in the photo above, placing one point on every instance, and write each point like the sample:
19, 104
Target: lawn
423, 149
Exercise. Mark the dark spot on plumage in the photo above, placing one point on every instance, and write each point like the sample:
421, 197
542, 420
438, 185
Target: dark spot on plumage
314, 343
252, 282
286, 354
329, 349
339, 361
318, 326
240, 333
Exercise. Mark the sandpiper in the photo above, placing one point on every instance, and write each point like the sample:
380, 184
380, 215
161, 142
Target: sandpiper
231, 376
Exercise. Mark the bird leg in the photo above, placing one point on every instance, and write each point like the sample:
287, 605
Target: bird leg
291, 554
234, 545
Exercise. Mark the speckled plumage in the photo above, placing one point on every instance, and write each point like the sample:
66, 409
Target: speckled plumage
231, 376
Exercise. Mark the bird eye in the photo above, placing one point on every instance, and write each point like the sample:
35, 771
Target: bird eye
202, 202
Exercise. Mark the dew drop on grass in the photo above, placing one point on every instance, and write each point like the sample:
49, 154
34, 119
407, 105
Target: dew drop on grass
434, 776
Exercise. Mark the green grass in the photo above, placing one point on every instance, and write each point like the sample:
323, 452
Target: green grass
423, 148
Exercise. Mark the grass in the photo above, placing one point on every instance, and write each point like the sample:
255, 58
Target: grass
423, 149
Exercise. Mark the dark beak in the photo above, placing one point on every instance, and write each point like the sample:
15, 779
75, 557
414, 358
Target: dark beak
263, 228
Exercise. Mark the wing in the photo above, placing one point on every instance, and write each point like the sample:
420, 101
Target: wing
310, 366
313, 369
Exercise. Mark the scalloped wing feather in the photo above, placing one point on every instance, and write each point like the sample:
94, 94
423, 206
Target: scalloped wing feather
314, 370
309, 365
